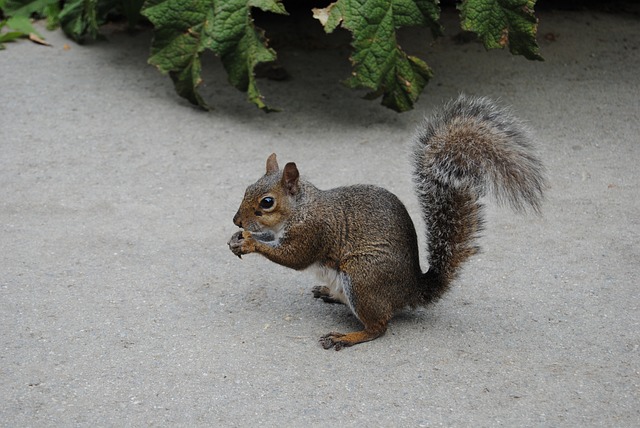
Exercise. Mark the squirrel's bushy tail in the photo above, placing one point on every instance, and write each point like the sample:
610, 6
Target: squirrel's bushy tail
471, 147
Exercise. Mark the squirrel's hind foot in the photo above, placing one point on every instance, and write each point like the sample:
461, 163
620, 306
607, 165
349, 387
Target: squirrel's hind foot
338, 341
331, 340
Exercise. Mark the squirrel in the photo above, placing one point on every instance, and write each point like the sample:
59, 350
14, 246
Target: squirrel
361, 239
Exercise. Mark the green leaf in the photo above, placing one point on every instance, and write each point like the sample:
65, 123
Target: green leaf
411, 77
499, 23
22, 25
241, 45
81, 19
52, 12
22, 28
78, 19
11, 36
222, 26
26, 8
179, 39
379, 63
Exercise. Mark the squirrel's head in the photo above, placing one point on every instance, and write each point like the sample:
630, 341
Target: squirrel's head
267, 203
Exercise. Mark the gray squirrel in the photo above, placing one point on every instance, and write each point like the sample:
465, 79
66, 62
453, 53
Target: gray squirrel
361, 239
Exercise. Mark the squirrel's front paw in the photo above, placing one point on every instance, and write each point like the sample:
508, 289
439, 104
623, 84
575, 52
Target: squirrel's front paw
241, 243
235, 243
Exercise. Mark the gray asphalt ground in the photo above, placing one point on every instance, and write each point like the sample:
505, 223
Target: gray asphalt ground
121, 305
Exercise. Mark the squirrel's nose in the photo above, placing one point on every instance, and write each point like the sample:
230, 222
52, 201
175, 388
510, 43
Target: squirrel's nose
236, 219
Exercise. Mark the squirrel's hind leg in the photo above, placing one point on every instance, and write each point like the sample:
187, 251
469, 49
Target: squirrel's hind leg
375, 325
374, 313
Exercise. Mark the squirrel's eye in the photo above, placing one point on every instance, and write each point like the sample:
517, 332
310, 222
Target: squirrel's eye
267, 202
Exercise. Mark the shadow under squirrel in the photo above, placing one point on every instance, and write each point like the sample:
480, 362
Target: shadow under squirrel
361, 239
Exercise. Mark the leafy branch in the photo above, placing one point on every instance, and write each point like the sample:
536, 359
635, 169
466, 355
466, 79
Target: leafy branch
185, 29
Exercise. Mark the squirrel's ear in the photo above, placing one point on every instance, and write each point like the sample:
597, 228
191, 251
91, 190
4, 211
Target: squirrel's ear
290, 178
272, 164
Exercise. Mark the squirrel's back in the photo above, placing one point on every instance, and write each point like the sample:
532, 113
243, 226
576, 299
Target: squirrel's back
469, 148
365, 220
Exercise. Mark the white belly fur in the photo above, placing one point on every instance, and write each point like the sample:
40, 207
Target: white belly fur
337, 282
